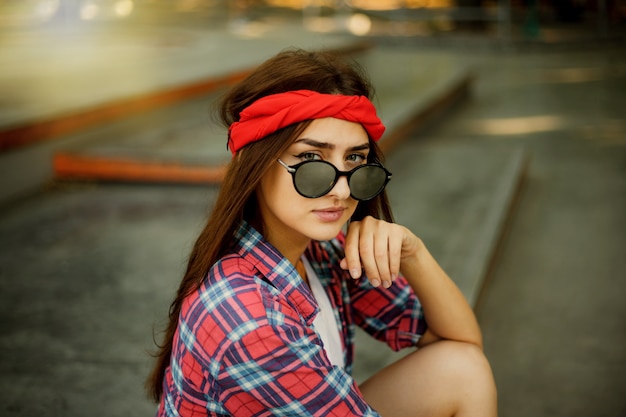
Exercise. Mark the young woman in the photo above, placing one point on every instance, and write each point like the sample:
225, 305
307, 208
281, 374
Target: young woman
262, 324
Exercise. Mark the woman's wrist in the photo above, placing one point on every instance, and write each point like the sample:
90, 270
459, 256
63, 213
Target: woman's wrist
413, 252
419, 268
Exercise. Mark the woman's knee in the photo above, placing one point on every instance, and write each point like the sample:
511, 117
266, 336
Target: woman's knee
464, 360
466, 372
443, 378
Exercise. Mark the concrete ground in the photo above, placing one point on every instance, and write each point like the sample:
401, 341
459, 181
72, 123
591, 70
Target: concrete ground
87, 270
552, 311
55, 79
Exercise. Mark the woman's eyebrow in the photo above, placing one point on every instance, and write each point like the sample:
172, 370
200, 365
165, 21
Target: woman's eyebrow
363, 147
326, 145
315, 143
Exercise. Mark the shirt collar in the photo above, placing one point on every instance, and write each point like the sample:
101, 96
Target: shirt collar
281, 273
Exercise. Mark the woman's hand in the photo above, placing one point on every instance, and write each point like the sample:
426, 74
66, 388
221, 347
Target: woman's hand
382, 250
379, 249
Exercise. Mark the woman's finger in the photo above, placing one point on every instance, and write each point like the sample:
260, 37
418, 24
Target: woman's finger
373, 247
395, 254
352, 260
381, 253
367, 239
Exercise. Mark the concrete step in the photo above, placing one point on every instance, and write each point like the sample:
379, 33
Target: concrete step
95, 78
98, 76
457, 200
181, 145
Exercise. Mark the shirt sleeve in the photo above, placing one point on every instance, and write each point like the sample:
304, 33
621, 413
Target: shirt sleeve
279, 371
392, 315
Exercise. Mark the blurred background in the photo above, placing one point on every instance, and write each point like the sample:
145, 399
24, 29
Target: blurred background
396, 17
506, 135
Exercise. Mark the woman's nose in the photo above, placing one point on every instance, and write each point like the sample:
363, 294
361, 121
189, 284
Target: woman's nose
341, 189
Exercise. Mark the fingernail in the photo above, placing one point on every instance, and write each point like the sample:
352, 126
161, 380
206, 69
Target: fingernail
375, 282
386, 284
354, 273
393, 277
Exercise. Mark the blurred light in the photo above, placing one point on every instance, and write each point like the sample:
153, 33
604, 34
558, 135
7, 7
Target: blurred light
517, 125
443, 23
89, 11
292, 4
359, 24
376, 4
124, 8
398, 4
575, 75
188, 5
47, 9
248, 30
321, 24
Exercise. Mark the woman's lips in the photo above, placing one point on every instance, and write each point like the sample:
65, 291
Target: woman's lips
330, 215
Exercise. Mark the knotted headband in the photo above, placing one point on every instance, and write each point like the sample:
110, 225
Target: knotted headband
273, 112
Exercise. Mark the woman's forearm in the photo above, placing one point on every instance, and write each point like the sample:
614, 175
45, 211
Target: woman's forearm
447, 312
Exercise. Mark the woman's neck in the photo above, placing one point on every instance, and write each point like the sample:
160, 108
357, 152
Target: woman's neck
302, 271
292, 250
290, 245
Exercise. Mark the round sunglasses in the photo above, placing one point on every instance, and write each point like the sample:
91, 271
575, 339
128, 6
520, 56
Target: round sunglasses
314, 179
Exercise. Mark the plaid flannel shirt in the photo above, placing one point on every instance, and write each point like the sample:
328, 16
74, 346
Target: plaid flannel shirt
246, 346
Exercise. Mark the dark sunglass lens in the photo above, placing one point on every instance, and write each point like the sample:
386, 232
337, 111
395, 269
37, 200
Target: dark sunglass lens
314, 179
367, 182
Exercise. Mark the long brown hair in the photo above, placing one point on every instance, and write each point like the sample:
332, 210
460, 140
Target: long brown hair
289, 70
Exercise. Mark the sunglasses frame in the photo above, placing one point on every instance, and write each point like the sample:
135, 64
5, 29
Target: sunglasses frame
338, 174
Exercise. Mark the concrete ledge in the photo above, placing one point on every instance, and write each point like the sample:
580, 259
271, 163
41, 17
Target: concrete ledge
67, 123
92, 167
457, 201
100, 82
70, 120
407, 99
434, 102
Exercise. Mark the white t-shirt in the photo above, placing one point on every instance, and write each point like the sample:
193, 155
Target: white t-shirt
325, 323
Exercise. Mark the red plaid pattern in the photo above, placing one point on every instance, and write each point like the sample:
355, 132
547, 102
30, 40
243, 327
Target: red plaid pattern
246, 346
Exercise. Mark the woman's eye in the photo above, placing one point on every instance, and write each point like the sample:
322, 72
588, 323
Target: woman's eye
308, 156
357, 158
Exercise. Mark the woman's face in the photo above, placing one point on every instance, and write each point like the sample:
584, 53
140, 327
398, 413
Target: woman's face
291, 220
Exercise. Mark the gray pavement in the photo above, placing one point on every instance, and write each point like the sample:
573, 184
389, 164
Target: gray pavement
552, 310
87, 269
184, 134
413, 86
47, 73
52, 73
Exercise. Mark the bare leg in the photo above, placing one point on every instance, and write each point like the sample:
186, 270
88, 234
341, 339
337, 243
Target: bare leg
445, 378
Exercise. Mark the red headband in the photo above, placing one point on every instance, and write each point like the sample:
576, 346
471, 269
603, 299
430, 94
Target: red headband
273, 112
